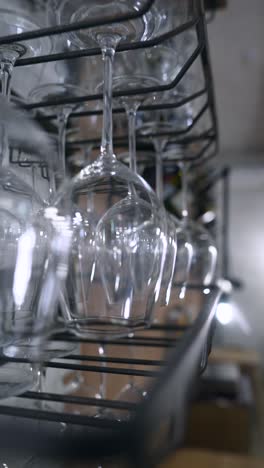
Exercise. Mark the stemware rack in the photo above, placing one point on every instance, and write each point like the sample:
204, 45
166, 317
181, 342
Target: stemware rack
157, 425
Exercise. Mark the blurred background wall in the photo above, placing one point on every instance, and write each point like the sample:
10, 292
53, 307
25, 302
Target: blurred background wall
236, 40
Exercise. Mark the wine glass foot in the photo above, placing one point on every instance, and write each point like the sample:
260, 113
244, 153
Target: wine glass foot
16, 379
50, 350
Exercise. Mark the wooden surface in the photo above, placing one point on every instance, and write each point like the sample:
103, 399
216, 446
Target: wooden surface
240, 357
213, 426
206, 459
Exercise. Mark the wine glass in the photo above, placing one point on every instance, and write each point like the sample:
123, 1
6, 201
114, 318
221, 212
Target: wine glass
142, 69
197, 260
23, 245
180, 266
18, 16
51, 349
204, 259
29, 347
112, 186
43, 94
46, 92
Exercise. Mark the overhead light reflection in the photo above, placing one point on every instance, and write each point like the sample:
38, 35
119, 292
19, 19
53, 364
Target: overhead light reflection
23, 269
224, 313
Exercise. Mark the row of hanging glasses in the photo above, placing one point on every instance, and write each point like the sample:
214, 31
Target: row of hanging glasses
96, 255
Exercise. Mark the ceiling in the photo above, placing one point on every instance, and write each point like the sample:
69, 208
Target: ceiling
236, 38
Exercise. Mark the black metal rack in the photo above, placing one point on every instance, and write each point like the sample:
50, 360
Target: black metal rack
188, 135
156, 425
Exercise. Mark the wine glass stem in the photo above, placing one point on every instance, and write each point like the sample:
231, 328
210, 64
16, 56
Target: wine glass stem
34, 185
108, 46
62, 127
4, 146
6, 69
102, 387
184, 171
159, 145
131, 112
52, 185
90, 195
5, 78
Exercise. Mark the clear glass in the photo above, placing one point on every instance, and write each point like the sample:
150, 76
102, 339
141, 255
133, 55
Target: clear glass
196, 259
44, 93
139, 29
163, 125
103, 297
170, 262
143, 69
41, 219
17, 17
24, 250
204, 253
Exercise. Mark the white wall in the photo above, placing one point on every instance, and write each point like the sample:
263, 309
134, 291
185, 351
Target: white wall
247, 255
236, 42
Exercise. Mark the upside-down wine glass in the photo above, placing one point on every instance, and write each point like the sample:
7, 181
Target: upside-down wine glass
158, 130
145, 69
51, 91
45, 93
40, 94
126, 231
202, 261
129, 202
23, 246
18, 16
203, 258
164, 126
152, 68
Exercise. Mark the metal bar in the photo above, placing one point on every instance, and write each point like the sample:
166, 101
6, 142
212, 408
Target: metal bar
126, 342
76, 400
212, 181
137, 340
225, 222
122, 140
121, 110
59, 29
91, 52
115, 360
205, 56
180, 132
161, 421
198, 157
52, 416
127, 92
86, 368
170, 328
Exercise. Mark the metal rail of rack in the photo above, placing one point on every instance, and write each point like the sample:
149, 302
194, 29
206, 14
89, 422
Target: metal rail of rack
191, 134
78, 428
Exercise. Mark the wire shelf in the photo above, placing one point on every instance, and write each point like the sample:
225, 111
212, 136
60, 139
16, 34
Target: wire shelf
186, 136
181, 355
155, 425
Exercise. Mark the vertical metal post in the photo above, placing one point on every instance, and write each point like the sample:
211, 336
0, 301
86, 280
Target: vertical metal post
226, 222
